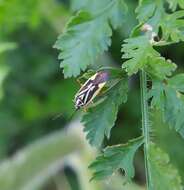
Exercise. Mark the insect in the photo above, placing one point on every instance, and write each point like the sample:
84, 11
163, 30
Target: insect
90, 89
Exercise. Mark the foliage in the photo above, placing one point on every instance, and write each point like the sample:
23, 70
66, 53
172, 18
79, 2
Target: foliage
30, 166
163, 175
33, 94
140, 54
155, 14
20, 13
56, 157
116, 157
173, 4
30, 95
88, 35
168, 97
95, 120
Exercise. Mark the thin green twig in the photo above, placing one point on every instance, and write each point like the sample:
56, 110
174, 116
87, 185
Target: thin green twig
145, 122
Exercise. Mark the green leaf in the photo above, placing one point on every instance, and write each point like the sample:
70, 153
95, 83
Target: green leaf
78, 4
90, 6
136, 50
145, 10
174, 3
159, 67
99, 119
117, 182
162, 174
141, 55
117, 13
116, 157
87, 36
177, 82
157, 94
83, 40
173, 26
93, 7
167, 97
155, 14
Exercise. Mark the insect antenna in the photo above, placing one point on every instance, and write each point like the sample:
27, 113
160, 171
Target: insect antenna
72, 115
57, 116
62, 115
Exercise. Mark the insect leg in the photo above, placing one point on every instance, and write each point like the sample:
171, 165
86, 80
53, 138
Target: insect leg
78, 81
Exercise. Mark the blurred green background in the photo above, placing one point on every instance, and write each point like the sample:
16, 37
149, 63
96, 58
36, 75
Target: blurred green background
33, 92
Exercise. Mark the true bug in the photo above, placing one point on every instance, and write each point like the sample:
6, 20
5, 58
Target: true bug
90, 89
93, 86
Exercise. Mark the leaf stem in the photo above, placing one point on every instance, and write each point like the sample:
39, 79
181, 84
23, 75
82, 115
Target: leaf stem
145, 122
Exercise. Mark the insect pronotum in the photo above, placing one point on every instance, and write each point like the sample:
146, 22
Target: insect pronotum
90, 89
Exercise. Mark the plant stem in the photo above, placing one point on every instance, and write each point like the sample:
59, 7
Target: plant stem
145, 122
